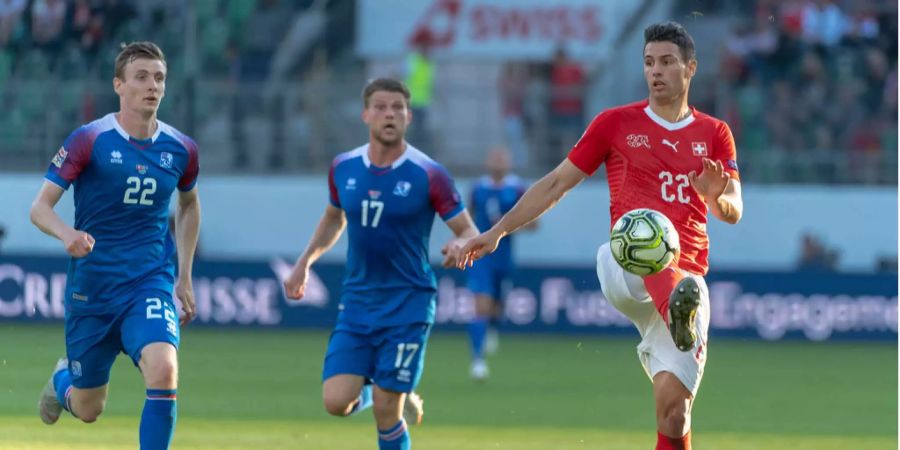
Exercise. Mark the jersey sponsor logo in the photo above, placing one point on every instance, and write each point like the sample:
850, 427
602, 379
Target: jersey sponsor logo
402, 188
79, 297
638, 140
374, 194
732, 164
165, 160
670, 144
59, 157
351, 184
699, 149
142, 169
115, 157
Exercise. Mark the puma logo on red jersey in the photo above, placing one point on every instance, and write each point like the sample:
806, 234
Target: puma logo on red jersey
666, 142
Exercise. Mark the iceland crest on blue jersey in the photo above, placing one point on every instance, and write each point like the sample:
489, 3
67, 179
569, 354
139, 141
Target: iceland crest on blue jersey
165, 160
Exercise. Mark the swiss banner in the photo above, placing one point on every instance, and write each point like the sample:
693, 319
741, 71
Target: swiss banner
507, 29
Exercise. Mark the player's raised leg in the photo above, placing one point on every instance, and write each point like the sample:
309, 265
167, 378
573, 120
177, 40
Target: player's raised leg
60, 394
677, 298
347, 367
344, 395
79, 381
673, 412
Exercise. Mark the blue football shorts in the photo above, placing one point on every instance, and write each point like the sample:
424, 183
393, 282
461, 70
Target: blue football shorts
392, 357
94, 341
487, 279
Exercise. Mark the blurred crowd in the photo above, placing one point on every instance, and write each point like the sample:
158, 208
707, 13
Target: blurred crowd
809, 87
815, 80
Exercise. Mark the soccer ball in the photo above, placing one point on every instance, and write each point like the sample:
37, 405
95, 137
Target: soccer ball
644, 241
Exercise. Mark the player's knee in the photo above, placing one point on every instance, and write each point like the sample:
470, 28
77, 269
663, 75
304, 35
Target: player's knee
337, 406
88, 412
162, 374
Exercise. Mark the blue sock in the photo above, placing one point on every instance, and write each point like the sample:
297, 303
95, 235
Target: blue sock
158, 419
477, 331
365, 400
62, 381
395, 438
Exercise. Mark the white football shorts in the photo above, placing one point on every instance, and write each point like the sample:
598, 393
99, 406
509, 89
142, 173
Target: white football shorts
657, 352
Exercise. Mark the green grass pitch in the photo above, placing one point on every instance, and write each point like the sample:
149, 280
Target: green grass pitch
260, 390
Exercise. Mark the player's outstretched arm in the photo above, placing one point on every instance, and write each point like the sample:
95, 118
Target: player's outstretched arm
187, 231
537, 200
77, 243
720, 192
326, 235
463, 229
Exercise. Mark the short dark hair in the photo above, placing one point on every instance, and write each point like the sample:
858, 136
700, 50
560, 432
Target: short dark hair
671, 32
384, 84
137, 50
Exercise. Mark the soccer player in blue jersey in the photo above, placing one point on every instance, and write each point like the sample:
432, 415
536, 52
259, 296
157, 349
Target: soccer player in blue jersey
386, 193
493, 195
125, 167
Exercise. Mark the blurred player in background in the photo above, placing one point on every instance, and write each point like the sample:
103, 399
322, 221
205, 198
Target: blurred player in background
664, 155
125, 167
386, 193
493, 195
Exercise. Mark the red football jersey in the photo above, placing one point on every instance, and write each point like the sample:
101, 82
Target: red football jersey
648, 160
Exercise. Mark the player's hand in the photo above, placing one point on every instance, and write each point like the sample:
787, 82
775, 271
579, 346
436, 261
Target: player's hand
452, 252
478, 247
184, 290
712, 181
295, 284
78, 243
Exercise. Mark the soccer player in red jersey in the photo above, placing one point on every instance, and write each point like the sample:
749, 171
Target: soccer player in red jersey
661, 154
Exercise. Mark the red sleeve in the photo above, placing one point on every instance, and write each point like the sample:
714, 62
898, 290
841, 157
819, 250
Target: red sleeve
443, 194
189, 178
725, 150
72, 158
593, 148
332, 189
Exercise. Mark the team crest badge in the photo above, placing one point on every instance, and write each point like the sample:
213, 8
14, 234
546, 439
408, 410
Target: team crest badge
402, 188
699, 149
59, 157
165, 160
638, 140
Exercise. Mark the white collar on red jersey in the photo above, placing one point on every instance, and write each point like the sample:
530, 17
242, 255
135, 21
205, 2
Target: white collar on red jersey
671, 126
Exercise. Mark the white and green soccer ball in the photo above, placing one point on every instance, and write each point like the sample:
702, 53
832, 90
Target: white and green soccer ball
644, 241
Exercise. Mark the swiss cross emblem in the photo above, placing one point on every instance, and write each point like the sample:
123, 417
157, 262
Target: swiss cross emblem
699, 149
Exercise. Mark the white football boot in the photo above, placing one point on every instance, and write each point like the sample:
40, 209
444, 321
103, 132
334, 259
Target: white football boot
413, 409
48, 405
479, 370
